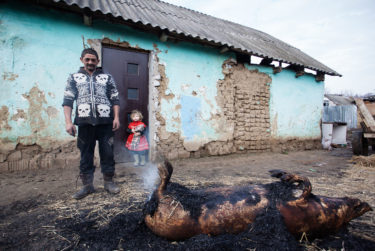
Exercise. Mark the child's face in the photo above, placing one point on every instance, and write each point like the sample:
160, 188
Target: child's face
135, 117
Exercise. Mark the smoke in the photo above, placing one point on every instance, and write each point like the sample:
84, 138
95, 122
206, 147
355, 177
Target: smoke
150, 178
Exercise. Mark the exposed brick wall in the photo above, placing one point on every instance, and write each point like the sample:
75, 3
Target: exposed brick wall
243, 96
251, 108
28, 157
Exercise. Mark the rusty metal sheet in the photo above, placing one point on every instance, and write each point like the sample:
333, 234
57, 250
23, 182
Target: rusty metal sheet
341, 114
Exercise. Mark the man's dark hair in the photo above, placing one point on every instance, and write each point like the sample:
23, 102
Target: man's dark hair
89, 51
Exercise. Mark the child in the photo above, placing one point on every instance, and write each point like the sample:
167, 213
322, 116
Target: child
137, 142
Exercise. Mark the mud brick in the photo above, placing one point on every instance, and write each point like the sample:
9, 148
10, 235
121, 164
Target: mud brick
28, 154
182, 154
34, 163
163, 135
309, 145
33, 166
3, 167
58, 163
32, 150
18, 165
72, 162
196, 154
3, 157
224, 150
46, 162
14, 156
172, 155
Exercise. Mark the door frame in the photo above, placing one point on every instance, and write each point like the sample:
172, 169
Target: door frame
153, 80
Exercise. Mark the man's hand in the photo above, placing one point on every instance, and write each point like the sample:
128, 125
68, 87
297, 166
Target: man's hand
116, 120
116, 124
71, 129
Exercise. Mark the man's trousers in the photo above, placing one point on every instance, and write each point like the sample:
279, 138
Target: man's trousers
87, 137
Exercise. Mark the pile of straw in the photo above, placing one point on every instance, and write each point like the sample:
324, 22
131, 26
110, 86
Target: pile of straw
363, 161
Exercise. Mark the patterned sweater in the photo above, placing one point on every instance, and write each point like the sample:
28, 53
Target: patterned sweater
94, 95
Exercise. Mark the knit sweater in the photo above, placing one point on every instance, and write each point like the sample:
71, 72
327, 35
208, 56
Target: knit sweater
94, 95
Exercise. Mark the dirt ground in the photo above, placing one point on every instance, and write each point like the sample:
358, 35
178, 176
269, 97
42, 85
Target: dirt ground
37, 212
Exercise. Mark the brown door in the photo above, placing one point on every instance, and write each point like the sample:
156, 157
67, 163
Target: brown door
130, 71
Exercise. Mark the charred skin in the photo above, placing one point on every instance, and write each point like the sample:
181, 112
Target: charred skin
316, 215
172, 221
239, 207
169, 220
231, 216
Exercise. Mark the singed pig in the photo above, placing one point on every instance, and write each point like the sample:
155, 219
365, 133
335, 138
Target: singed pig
176, 213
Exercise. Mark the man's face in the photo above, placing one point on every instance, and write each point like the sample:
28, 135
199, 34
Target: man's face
90, 62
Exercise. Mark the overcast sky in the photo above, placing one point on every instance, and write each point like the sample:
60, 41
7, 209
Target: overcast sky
338, 33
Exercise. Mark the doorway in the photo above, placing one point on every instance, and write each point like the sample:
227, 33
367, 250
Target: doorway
130, 71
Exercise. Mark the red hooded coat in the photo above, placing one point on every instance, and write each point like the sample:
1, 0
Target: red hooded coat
137, 143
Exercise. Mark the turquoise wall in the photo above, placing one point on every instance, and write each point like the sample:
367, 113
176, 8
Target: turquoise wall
295, 104
41, 47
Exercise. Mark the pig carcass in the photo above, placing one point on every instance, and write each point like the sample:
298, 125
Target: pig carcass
177, 213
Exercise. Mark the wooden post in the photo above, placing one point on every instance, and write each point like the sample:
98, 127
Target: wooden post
300, 71
163, 37
365, 115
319, 76
277, 69
87, 20
223, 49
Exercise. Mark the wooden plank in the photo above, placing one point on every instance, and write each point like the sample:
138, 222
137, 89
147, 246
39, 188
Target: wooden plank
365, 114
369, 135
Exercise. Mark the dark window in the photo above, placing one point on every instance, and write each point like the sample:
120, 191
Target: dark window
133, 93
132, 69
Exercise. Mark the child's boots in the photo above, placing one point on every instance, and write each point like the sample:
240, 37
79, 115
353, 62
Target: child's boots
143, 160
136, 160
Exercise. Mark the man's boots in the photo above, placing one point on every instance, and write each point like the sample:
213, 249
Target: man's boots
109, 185
88, 187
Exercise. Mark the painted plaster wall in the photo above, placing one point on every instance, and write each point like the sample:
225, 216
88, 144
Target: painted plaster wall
295, 105
41, 47
193, 77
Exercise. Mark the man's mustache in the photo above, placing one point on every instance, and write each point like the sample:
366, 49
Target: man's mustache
90, 65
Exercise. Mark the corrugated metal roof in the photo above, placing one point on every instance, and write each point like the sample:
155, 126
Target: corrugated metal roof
340, 100
194, 24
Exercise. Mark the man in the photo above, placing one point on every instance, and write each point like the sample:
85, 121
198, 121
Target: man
97, 117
